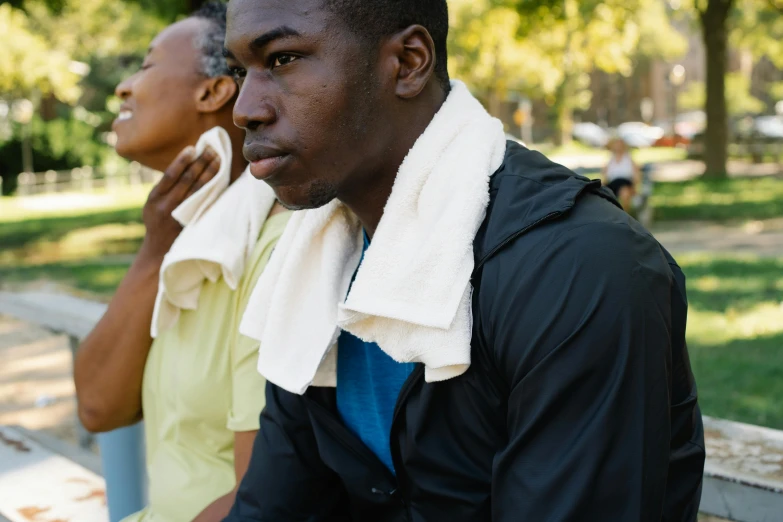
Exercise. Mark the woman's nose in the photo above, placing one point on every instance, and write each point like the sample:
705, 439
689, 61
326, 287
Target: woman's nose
124, 89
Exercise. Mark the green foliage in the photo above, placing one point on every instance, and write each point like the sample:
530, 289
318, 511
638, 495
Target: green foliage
738, 103
549, 47
30, 62
758, 28
59, 144
776, 91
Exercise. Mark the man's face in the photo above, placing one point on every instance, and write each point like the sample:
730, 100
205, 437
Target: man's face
158, 112
308, 93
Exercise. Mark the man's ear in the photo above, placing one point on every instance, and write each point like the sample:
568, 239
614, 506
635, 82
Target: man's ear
411, 53
215, 93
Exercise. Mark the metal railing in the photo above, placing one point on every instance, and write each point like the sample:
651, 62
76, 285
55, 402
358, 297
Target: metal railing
84, 179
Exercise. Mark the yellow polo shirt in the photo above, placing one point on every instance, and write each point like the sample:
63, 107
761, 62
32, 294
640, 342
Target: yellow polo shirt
200, 386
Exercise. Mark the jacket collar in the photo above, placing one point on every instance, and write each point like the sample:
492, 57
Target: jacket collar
525, 192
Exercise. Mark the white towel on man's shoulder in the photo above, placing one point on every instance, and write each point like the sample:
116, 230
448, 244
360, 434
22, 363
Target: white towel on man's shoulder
221, 226
412, 293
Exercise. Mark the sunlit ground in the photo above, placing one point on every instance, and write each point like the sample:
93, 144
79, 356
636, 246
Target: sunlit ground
641, 156
735, 335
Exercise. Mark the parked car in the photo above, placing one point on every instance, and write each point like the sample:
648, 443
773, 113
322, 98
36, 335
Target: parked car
590, 134
638, 134
768, 128
751, 131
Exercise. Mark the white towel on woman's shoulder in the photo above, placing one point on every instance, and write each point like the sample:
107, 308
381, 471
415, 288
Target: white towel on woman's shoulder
412, 293
221, 226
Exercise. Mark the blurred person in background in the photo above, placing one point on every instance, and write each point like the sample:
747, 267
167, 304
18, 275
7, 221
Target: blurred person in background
195, 384
621, 174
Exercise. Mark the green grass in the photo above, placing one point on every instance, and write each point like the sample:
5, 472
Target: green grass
86, 246
96, 278
729, 200
735, 336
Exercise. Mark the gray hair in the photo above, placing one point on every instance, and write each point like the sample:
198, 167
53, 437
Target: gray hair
210, 41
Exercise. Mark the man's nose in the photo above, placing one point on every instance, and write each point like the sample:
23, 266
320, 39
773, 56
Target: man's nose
253, 107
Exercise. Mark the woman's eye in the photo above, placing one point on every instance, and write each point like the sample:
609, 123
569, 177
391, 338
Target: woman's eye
237, 72
145, 66
284, 59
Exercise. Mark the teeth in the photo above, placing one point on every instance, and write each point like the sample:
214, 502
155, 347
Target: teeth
124, 115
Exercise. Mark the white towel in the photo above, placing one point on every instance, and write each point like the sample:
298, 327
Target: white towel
221, 226
412, 293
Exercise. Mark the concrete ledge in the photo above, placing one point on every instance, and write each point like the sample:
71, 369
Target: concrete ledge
743, 475
57, 312
39, 483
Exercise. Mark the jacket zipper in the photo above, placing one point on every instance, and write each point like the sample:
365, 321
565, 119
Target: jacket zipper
352, 443
412, 379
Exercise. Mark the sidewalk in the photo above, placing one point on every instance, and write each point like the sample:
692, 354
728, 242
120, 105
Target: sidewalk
760, 238
671, 170
36, 384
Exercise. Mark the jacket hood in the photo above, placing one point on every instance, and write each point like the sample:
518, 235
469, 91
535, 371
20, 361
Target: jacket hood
528, 190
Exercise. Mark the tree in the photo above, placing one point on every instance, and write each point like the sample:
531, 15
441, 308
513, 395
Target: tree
577, 36
487, 54
714, 25
29, 62
752, 25
740, 103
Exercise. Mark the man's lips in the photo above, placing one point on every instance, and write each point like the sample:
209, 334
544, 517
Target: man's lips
264, 161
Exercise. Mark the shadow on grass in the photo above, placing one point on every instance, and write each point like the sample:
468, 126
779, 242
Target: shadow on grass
20, 234
734, 199
741, 380
738, 285
96, 277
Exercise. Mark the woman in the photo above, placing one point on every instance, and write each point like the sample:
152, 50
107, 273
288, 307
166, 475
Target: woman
621, 174
196, 383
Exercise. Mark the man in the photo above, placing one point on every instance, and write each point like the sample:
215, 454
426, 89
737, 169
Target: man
577, 401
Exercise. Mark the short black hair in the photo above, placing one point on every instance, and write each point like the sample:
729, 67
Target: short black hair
376, 19
210, 42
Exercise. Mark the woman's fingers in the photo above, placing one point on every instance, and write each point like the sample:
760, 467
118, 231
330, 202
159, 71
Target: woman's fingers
175, 170
205, 177
182, 188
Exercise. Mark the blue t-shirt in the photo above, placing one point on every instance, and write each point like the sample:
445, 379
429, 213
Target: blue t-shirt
368, 383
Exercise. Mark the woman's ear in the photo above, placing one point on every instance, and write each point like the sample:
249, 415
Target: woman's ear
215, 93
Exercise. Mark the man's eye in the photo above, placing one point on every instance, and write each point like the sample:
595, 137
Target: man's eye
283, 59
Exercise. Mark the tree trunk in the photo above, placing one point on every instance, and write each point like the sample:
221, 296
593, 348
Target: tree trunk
716, 137
565, 119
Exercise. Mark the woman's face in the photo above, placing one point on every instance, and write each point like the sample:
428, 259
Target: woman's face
158, 117
618, 147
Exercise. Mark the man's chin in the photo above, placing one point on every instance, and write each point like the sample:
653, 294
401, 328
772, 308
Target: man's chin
304, 198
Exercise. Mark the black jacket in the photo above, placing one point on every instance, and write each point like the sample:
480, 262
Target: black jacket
579, 404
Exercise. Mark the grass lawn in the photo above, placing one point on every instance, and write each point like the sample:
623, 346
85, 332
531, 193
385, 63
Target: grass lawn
735, 336
84, 242
729, 200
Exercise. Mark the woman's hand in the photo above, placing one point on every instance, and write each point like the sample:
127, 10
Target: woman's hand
186, 175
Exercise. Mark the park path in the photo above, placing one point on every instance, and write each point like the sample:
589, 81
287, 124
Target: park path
759, 238
36, 385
